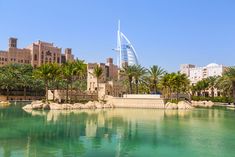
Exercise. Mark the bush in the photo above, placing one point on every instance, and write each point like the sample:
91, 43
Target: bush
221, 99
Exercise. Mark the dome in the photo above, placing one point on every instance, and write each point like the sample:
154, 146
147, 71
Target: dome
212, 65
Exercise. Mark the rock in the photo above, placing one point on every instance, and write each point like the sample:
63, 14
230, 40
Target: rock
37, 106
170, 105
107, 106
90, 105
67, 106
28, 107
77, 106
46, 106
55, 106
184, 105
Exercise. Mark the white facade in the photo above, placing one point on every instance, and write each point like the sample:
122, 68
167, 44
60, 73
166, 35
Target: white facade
126, 51
196, 74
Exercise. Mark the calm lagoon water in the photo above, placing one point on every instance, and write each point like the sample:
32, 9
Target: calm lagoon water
117, 132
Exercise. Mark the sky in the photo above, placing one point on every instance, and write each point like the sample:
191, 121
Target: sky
166, 33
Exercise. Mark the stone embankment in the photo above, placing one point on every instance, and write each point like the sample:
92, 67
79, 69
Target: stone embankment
39, 105
205, 104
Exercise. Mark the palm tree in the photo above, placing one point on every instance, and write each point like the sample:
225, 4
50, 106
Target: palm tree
224, 84
180, 83
24, 76
230, 73
174, 82
68, 71
202, 86
212, 82
44, 72
55, 77
97, 73
155, 73
165, 84
138, 72
128, 71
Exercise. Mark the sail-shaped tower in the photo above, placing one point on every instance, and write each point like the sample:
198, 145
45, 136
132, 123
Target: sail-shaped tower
126, 51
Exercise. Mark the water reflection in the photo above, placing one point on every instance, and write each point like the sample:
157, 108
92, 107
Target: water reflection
114, 132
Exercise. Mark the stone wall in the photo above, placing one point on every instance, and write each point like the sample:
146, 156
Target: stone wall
73, 95
136, 102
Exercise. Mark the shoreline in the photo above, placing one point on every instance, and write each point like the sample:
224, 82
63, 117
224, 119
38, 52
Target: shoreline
182, 105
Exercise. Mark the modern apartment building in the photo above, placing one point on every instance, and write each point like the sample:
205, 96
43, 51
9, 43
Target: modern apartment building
196, 74
35, 54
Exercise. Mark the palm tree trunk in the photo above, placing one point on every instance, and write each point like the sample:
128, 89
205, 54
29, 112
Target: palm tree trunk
46, 87
67, 91
233, 85
177, 95
136, 85
7, 93
98, 88
71, 90
155, 87
24, 93
130, 84
212, 92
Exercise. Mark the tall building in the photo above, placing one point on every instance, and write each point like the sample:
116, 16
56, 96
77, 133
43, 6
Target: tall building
35, 54
125, 50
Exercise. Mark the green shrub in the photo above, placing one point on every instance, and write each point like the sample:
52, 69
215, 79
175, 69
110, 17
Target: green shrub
221, 99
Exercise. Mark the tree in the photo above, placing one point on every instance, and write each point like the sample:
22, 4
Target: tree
138, 73
128, 71
212, 82
180, 84
155, 73
166, 85
224, 84
97, 73
44, 72
202, 86
174, 82
71, 72
24, 76
230, 74
7, 79
55, 77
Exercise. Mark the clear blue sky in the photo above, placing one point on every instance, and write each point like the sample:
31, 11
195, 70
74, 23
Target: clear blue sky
163, 32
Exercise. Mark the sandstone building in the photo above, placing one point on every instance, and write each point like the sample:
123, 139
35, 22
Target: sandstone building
109, 83
35, 54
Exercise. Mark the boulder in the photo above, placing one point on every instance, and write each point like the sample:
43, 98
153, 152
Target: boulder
28, 107
46, 106
38, 106
55, 106
184, 105
170, 105
77, 105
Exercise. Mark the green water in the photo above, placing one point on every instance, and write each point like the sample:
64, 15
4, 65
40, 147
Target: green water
117, 132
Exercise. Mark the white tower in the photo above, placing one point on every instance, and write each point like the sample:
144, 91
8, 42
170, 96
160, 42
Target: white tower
125, 50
